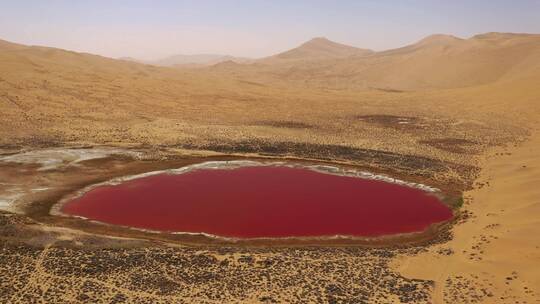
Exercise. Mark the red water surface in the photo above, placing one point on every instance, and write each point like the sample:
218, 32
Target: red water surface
263, 201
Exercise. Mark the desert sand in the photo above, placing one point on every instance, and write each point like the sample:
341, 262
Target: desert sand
459, 114
498, 247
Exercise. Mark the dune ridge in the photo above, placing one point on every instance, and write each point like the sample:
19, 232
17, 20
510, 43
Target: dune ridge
435, 62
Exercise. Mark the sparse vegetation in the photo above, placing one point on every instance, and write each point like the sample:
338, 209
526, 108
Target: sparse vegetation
430, 113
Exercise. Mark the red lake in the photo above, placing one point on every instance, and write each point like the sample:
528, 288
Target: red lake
262, 201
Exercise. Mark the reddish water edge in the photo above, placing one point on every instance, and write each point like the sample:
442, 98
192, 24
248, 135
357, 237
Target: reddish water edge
264, 201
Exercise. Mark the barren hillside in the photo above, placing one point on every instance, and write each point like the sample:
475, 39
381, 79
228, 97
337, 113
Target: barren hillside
317, 49
436, 62
51, 96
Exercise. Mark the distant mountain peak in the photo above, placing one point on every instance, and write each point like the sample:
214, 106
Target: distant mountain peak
318, 40
500, 35
320, 48
323, 41
439, 39
190, 60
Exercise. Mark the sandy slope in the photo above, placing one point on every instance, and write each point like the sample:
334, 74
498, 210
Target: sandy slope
498, 249
51, 97
317, 49
436, 62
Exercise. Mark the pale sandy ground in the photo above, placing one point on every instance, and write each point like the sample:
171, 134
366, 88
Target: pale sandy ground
499, 248
460, 98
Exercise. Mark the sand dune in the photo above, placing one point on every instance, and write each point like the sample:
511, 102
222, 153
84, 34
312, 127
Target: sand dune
498, 248
57, 95
317, 49
436, 62
436, 111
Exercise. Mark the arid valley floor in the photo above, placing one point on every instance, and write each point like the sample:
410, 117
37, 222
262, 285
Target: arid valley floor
458, 114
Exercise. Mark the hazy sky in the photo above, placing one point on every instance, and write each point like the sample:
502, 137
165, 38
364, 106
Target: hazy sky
254, 28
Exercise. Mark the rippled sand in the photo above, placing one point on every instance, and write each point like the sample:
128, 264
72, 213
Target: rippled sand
496, 253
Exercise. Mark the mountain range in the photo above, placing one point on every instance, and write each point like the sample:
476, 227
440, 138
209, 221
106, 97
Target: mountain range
435, 62
192, 61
